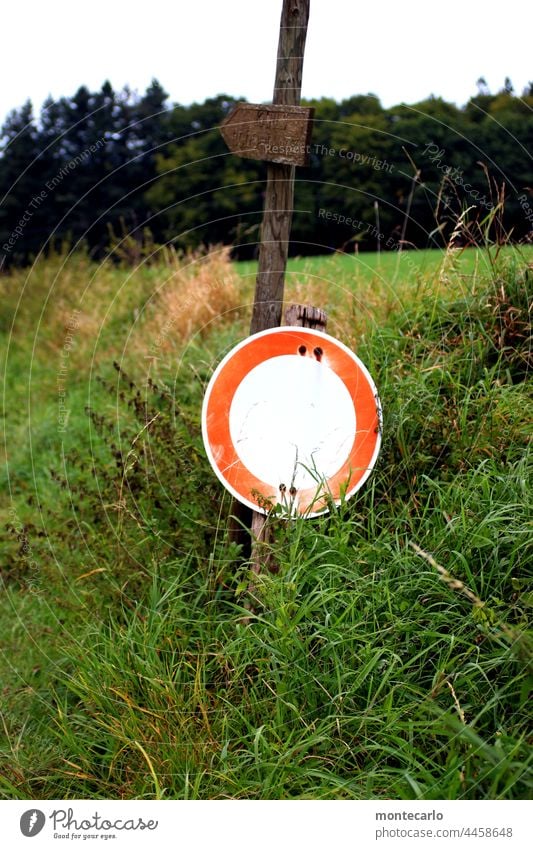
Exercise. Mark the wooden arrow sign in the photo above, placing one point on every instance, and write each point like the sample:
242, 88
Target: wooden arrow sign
272, 133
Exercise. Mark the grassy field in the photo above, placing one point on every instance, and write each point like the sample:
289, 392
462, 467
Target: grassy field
389, 657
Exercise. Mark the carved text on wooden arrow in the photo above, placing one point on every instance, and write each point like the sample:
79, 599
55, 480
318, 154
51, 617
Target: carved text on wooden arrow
272, 133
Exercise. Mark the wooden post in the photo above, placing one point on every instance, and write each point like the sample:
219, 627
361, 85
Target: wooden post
278, 209
276, 227
279, 197
296, 315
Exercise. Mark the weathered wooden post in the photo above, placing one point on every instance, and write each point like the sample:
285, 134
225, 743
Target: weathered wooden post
285, 452
278, 211
279, 134
297, 315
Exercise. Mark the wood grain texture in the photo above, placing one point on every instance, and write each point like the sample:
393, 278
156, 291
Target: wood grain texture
279, 196
305, 315
274, 248
275, 231
273, 133
296, 315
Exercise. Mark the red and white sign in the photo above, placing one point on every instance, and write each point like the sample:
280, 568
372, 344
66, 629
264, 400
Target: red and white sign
291, 417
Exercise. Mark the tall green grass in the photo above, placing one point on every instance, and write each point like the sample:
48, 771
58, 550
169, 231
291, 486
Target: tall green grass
388, 656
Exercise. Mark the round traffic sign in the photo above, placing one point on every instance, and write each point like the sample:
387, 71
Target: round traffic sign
291, 419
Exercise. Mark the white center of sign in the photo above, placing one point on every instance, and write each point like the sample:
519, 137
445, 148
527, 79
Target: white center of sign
292, 421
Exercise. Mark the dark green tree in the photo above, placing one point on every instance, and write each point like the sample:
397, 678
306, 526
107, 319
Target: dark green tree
24, 165
105, 160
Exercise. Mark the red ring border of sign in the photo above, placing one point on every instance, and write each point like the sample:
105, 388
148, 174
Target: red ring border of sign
234, 367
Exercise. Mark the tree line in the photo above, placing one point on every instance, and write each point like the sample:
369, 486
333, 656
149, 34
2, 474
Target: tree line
96, 167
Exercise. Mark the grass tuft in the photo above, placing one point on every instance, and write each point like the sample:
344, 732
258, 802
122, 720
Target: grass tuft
389, 653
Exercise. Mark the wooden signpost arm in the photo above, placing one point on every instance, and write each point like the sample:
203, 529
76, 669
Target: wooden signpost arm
279, 197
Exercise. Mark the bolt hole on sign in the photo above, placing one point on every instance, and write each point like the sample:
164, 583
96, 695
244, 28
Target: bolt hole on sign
291, 422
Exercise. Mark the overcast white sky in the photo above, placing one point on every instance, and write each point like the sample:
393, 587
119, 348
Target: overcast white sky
401, 51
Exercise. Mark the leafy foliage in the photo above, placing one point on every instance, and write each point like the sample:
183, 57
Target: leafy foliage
101, 160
